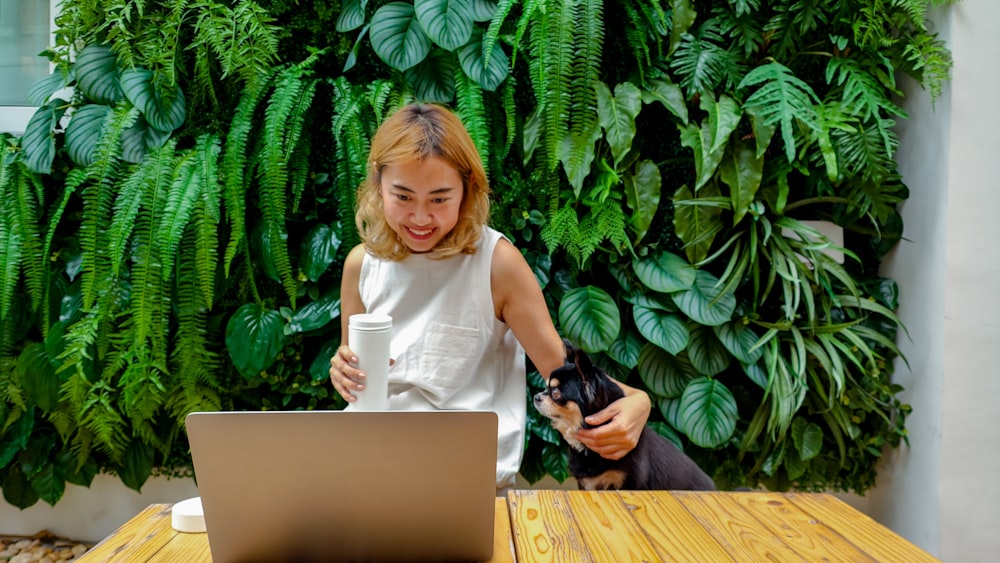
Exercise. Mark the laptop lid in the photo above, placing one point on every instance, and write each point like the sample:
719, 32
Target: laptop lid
346, 486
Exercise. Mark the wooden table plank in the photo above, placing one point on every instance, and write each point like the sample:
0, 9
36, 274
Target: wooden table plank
676, 534
136, 540
608, 528
543, 529
503, 544
866, 534
738, 530
799, 530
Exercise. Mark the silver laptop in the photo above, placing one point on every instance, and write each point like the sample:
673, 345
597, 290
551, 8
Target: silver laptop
346, 486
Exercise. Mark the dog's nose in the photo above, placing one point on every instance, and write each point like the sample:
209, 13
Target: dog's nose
538, 398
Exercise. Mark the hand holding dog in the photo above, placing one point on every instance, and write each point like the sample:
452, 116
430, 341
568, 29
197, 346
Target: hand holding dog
618, 437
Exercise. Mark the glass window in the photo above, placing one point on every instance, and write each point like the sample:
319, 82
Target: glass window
24, 33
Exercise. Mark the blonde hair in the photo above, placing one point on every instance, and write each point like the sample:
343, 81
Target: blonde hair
415, 132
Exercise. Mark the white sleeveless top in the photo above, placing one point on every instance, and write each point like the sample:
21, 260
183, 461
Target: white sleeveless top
450, 350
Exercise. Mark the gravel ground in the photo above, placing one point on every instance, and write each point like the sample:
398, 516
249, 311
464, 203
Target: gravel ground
41, 547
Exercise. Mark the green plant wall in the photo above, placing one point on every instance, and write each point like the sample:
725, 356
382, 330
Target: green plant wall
172, 227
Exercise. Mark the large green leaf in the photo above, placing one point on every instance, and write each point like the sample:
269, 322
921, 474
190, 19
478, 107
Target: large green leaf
697, 219
84, 131
625, 350
15, 436
140, 138
161, 102
709, 412
17, 489
707, 354
741, 169
709, 140
642, 192
665, 330
617, 115
397, 36
739, 340
488, 74
97, 74
670, 408
319, 369
665, 272
136, 465
49, 482
316, 314
319, 250
447, 22
704, 301
40, 91
664, 374
254, 338
352, 15
783, 100
39, 140
482, 10
669, 94
807, 437
433, 78
589, 317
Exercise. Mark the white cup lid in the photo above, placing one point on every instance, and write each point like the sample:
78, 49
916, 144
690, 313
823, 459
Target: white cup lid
370, 321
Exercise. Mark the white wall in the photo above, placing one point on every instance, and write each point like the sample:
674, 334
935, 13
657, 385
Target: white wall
941, 492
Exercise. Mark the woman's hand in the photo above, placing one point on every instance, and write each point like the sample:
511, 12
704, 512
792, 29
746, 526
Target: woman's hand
625, 420
345, 375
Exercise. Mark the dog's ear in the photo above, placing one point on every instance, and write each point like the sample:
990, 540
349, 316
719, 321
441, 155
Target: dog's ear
570, 350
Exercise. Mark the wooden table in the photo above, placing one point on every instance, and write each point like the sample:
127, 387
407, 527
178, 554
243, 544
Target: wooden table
149, 536
579, 526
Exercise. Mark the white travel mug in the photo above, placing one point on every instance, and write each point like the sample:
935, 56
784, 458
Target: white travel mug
369, 336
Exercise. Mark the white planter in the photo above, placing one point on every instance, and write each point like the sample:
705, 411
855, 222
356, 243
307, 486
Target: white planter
90, 514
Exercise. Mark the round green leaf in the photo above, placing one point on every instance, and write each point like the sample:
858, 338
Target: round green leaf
352, 15
319, 249
657, 301
316, 314
161, 103
140, 138
482, 10
254, 338
84, 131
625, 350
709, 412
589, 316
397, 37
447, 22
97, 74
757, 374
319, 369
665, 272
740, 341
488, 74
433, 79
664, 374
671, 411
41, 90
666, 331
807, 437
39, 141
703, 301
707, 354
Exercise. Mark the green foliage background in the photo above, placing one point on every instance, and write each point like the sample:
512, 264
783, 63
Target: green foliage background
173, 226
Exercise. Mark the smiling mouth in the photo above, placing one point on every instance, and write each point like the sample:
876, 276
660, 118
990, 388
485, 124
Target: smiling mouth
419, 233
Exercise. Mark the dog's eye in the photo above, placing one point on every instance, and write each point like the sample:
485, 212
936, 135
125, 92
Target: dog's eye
555, 394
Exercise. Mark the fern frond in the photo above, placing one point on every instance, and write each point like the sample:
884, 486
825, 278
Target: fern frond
28, 199
863, 151
205, 220
98, 198
235, 166
563, 230
469, 97
783, 99
242, 38
863, 96
702, 63
11, 249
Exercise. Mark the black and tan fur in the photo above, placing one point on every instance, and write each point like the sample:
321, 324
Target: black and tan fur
579, 389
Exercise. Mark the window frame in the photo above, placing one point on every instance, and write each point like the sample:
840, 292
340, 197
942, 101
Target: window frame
14, 119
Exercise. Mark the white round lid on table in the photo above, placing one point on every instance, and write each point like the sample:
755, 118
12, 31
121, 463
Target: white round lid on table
188, 516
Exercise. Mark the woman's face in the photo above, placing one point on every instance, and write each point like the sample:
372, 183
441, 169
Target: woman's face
422, 199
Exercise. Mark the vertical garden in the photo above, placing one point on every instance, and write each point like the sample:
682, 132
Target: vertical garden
174, 218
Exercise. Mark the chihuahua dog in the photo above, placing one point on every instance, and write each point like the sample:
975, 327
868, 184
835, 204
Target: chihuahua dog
579, 389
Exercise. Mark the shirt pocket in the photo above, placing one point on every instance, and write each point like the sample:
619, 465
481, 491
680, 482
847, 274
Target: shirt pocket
449, 355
